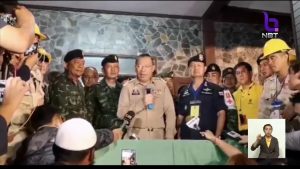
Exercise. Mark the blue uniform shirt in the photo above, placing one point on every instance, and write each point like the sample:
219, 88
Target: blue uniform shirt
209, 97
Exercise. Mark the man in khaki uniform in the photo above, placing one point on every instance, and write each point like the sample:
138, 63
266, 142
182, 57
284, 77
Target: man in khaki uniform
276, 87
150, 108
18, 129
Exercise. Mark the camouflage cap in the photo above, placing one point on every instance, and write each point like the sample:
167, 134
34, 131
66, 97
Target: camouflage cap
73, 54
213, 68
198, 58
260, 58
110, 59
227, 71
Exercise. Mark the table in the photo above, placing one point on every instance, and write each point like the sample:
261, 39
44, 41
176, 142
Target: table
166, 152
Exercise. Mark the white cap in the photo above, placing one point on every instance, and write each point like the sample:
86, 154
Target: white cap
127, 154
76, 134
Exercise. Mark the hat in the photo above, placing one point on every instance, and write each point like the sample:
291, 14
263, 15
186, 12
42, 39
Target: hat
227, 71
76, 134
76, 53
273, 46
110, 59
198, 58
213, 68
38, 32
43, 55
260, 58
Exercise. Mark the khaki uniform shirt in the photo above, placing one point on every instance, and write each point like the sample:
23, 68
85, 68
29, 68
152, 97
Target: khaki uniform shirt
273, 87
148, 124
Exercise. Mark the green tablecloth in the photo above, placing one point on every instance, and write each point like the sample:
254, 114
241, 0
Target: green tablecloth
165, 152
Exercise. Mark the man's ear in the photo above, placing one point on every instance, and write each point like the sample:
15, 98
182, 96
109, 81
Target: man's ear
91, 156
66, 65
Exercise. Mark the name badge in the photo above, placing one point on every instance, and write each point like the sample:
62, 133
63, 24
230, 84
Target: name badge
195, 108
135, 92
195, 111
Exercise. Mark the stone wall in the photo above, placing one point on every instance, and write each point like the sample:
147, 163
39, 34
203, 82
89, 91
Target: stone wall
237, 42
173, 40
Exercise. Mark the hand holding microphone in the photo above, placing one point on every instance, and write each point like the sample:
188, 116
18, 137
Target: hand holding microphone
149, 98
127, 120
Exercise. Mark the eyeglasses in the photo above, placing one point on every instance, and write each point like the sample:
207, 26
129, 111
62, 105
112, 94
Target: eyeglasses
240, 72
144, 66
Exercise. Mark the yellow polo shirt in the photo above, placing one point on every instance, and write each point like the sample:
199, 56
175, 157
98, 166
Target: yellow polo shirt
247, 103
268, 141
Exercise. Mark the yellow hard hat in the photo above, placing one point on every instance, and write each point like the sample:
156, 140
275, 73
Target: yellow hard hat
44, 55
38, 32
273, 46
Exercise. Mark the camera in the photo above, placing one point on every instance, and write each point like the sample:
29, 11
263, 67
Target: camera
9, 19
32, 50
2, 88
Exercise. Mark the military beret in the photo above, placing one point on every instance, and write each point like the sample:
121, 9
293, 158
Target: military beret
227, 71
260, 58
110, 59
73, 54
198, 58
213, 68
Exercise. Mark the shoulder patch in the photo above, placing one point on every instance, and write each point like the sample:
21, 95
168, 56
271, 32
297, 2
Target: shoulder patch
129, 82
221, 93
159, 79
185, 92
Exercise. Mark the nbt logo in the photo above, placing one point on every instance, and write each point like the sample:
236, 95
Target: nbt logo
272, 31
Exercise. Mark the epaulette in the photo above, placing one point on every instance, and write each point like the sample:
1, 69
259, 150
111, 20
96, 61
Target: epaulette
129, 81
158, 79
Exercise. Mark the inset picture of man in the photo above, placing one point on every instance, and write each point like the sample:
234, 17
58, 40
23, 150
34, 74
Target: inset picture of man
266, 138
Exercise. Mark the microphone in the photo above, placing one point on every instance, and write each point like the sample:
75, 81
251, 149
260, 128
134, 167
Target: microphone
127, 119
149, 91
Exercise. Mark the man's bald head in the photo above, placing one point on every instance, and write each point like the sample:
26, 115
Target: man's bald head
90, 76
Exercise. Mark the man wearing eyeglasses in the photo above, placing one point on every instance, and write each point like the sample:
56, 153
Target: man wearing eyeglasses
150, 98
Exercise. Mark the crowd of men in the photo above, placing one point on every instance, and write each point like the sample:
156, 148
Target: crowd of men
62, 118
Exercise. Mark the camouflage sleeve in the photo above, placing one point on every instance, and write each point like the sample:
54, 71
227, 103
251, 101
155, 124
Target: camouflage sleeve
46, 97
58, 97
90, 104
104, 138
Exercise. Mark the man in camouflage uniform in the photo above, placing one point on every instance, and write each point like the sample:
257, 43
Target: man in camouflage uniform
90, 77
67, 92
105, 95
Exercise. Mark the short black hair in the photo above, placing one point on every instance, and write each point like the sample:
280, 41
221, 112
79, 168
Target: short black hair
64, 155
43, 115
246, 64
267, 125
295, 67
144, 55
7, 6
